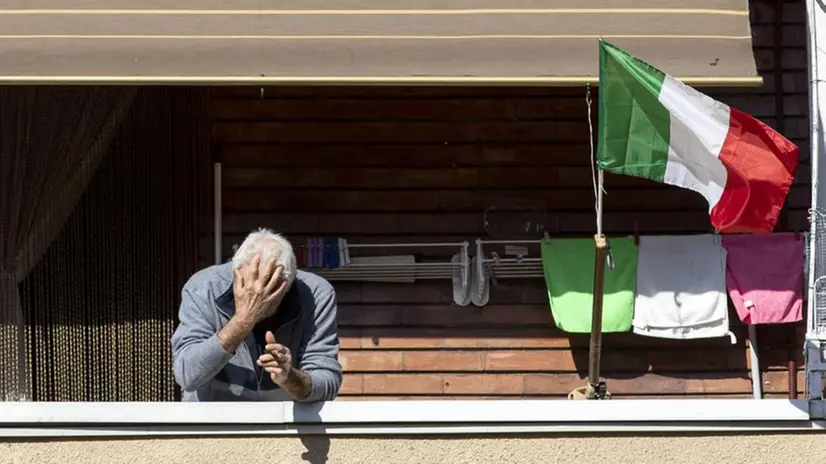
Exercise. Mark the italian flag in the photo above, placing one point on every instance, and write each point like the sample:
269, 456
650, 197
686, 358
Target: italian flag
654, 126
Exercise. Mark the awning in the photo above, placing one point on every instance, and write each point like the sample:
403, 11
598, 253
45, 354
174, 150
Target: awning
493, 42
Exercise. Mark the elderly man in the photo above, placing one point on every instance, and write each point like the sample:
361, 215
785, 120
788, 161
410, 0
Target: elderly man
257, 329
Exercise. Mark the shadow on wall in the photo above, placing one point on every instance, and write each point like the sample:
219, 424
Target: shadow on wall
313, 437
318, 448
704, 366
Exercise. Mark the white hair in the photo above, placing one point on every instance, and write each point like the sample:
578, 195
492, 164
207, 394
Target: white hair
268, 245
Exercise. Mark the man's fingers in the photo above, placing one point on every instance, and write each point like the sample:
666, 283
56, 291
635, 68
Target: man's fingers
239, 279
279, 292
256, 261
271, 363
275, 280
270, 339
267, 271
266, 358
275, 348
275, 370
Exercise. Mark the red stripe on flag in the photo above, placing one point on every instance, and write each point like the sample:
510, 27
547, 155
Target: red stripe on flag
761, 165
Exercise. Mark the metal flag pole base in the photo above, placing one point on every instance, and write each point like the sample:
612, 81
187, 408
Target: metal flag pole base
596, 389
591, 392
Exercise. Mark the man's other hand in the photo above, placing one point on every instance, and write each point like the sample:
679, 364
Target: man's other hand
277, 360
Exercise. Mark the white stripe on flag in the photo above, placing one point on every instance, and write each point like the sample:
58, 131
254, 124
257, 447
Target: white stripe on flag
699, 126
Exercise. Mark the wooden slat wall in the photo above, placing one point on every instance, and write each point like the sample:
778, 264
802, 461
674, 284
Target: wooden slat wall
396, 164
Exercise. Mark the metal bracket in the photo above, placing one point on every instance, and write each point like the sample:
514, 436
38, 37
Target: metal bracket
815, 371
591, 392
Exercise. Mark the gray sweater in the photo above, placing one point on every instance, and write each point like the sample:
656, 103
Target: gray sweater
305, 322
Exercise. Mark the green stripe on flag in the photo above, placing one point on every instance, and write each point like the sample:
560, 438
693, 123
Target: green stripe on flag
634, 127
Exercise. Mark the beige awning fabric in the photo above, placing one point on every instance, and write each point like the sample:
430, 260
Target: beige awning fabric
518, 42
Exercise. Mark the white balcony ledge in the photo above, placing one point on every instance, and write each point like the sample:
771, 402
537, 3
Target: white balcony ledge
404, 418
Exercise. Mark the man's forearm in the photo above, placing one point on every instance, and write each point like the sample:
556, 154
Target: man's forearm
234, 333
299, 384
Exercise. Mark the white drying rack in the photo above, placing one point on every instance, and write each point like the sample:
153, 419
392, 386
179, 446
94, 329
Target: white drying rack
404, 268
369, 268
502, 267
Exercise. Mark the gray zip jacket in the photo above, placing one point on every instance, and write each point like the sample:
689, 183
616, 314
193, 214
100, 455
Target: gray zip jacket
305, 322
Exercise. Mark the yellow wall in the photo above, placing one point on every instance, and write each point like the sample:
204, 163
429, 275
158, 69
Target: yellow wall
752, 449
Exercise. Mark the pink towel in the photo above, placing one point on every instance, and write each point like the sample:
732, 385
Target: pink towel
764, 276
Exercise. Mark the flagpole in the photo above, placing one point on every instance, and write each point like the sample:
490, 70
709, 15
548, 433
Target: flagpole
596, 388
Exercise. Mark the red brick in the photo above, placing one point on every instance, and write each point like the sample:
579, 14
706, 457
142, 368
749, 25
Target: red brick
506, 338
442, 361
483, 384
533, 360
402, 384
365, 361
349, 338
390, 338
351, 384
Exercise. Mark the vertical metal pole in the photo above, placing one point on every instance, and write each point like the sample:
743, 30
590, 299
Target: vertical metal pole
756, 379
600, 256
218, 212
816, 16
595, 345
816, 97
595, 389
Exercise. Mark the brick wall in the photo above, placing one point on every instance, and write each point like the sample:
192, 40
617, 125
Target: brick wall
398, 164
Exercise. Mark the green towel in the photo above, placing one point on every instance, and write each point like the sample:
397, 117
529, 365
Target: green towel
569, 275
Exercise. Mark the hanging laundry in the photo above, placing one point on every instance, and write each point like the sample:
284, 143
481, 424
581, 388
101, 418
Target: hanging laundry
326, 253
569, 276
681, 287
319, 252
308, 252
332, 245
806, 257
342, 249
312, 252
764, 277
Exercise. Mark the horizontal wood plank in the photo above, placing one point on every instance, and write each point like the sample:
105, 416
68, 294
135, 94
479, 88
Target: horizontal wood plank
516, 385
426, 109
499, 178
472, 225
625, 396
698, 360
562, 199
433, 155
424, 155
407, 132
468, 224
396, 337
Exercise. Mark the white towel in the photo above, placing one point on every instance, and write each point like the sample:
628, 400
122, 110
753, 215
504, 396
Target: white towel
681, 288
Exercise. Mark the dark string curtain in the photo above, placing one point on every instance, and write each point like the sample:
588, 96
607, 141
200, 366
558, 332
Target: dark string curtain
51, 142
101, 305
